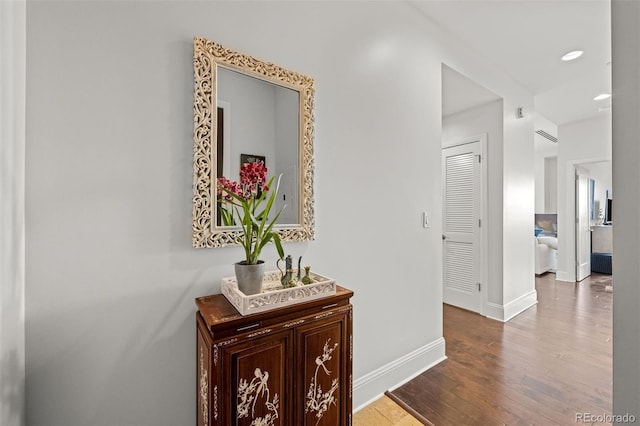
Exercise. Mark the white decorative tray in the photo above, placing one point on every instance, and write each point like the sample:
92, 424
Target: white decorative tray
273, 296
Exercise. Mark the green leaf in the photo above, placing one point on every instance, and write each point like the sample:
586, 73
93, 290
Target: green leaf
227, 217
256, 228
267, 209
278, 243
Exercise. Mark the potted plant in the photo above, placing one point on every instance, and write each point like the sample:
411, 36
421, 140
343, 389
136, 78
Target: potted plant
249, 203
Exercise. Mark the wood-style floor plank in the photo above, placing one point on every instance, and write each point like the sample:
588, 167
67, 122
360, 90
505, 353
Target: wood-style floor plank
541, 368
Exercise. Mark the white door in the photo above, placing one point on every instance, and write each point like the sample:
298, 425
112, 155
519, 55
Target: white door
583, 229
461, 226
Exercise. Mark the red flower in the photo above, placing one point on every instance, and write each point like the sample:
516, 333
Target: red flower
253, 178
225, 186
244, 199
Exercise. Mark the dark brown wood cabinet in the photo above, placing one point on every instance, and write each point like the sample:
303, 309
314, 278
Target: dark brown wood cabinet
289, 366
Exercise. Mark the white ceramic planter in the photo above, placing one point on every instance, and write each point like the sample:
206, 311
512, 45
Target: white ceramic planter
249, 277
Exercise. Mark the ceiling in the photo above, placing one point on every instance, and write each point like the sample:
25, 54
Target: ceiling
460, 93
526, 38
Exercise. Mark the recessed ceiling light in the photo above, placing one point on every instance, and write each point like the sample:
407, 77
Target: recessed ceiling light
602, 96
572, 55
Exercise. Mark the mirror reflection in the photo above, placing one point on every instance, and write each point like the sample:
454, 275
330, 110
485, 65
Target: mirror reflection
259, 121
246, 110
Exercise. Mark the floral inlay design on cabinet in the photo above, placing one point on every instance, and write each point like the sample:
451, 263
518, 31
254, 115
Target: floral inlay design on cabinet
317, 400
204, 386
248, 394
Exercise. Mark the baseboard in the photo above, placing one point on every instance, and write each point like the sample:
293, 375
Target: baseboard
494, 311
373, 385
505, 312
565, 276
520, 305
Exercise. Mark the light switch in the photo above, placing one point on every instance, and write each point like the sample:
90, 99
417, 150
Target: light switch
426, 220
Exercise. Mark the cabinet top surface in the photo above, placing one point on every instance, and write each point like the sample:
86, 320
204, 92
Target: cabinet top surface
217, 311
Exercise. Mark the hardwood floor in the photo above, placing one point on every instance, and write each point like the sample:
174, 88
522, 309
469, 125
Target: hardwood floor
543, 367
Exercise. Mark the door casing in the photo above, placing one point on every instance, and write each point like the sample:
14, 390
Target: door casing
582, 230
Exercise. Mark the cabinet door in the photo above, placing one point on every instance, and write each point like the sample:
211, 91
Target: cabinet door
323, 383
257, 380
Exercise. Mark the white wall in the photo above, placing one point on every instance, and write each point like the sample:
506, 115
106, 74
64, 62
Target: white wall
539, 183
601, 173
579, 142
12, 210
261, 124
253, 127
517, 179
110, 269
546, 181
625, 27
545, 153
551, 184
287, 105
519, 197
510, 203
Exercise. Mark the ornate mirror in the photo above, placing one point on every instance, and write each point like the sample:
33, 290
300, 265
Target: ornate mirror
249, 110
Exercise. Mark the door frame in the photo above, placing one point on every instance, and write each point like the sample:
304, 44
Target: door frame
484, 216
566, 270
580, 171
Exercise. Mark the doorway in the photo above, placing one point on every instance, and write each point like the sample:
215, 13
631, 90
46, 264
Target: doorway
593, 207
472, 123
462, 221
583, 228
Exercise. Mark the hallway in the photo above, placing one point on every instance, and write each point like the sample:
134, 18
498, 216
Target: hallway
546, 366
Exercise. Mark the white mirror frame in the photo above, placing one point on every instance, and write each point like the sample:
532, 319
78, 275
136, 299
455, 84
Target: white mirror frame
207, 55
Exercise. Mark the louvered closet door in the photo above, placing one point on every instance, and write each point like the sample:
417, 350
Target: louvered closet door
461, 226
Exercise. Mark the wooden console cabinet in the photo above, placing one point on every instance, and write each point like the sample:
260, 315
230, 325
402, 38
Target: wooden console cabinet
289, 366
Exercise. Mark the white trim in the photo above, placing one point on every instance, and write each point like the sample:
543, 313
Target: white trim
580, 171
12, 209
564, 276
372, 386
484, 229
464, 140
519, 305
495, 311
506, 312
